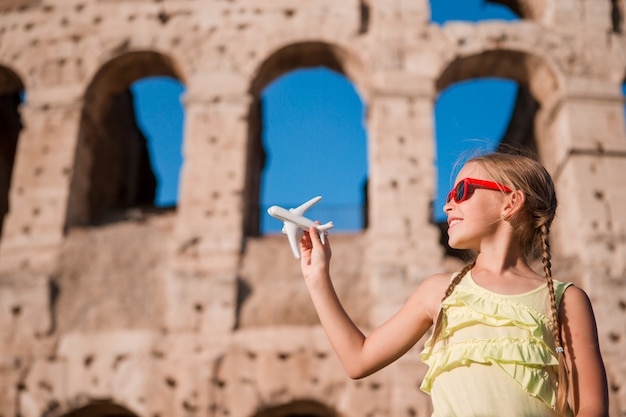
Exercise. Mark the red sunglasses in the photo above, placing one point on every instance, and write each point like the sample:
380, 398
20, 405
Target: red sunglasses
464, 189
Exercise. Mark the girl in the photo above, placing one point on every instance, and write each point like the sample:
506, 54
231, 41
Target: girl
504, 336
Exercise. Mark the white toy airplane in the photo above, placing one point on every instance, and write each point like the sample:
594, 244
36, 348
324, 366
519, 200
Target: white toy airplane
293, 220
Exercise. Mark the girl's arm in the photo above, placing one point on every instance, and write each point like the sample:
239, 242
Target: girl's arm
362, 355
588, 385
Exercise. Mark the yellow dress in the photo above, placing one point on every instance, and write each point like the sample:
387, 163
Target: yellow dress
495, 355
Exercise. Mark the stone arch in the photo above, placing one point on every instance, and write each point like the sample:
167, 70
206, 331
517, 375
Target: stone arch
298, 408
538, 86
310, 54
11, 88
112, 168
289, 58
101, 409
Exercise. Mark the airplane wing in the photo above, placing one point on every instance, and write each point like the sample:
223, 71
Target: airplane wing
291, 230
304, 207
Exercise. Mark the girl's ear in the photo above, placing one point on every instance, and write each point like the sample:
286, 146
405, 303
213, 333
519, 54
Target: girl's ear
513, 204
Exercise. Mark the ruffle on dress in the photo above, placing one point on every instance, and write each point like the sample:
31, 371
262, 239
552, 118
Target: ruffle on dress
523, 354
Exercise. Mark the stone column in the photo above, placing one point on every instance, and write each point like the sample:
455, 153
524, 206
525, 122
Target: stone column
586, 153
33, 231
585, 150
202, 283
403, 246
34, 225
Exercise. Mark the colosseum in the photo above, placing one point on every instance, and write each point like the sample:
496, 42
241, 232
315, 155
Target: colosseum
110, 307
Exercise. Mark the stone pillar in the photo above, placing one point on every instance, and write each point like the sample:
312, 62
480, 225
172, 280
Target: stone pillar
586, 153
33, 231
403, 246
209, 227
34, 226
585, 150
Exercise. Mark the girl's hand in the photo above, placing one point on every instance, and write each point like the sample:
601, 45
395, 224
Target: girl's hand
314, 255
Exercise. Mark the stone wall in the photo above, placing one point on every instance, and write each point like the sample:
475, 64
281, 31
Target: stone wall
189, 312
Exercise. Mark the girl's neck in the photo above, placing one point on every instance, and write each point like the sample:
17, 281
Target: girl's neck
507, 275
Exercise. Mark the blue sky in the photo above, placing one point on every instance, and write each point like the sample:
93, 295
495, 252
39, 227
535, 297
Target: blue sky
318, 113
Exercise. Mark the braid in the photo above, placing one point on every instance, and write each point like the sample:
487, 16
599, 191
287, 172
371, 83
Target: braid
561, 395
453, 284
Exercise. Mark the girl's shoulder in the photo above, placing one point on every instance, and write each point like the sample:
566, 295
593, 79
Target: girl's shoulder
437, 284
441, 279
575, 297
430, 292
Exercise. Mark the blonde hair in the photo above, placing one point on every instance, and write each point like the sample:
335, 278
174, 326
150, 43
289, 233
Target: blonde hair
531, 226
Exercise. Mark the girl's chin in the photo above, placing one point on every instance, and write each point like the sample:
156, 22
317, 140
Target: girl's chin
456, 245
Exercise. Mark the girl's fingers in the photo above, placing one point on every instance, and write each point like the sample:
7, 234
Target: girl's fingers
314, 236
317, 245
305, 240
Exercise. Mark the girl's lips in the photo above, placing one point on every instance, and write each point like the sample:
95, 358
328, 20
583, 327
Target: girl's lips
452, 222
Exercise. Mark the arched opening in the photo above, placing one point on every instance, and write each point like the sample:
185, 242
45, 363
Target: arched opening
478, 10
300, 408
160, 112
523, 81
11, 97
305, 106
114, 169
101, 409
315, 113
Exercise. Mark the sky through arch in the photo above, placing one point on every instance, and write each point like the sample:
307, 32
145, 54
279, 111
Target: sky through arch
160, 113
316, 144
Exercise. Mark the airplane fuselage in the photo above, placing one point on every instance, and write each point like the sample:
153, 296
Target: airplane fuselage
285, 215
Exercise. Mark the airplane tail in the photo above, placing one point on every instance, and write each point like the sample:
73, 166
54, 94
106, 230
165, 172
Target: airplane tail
325, 227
